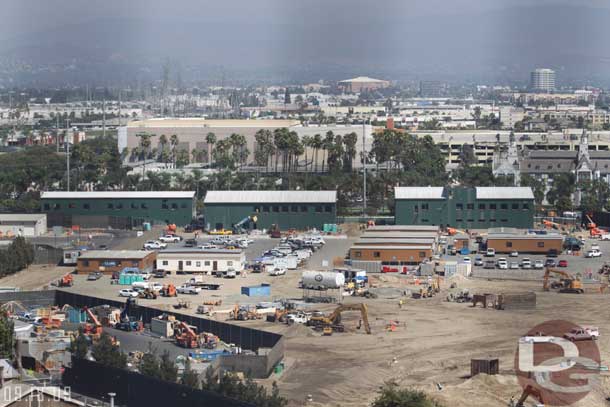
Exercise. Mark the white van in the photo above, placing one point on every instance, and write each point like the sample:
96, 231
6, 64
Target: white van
490, 252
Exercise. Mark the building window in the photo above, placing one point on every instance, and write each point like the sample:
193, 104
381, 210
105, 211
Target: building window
425, 220
294, 208
46, 207
144, 206
470, 220
376, 254
119, 206
188, 263
515, 206
164, 204
422, 255
492, 220
110, 206
469, 206
174, 206
134, 206
304, 208
459, 219
165, 262
257, 209
492, 207
275, 208
318, 209
503, 220
459, 206
504, 206
86, 206
540, 244
265, 208
482, 207
328, 208
198, 264
358, 254
183, 205
526, 207
72, 205
206, 263
424, 207
86, 263
284, 208
509, 244
229, 263
134, 263
416, 209
57, 207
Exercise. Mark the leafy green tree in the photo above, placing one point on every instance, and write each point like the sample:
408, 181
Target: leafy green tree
80, 346
538, 187
7, 337
167, 368
595, 195
189, 377
560, 193
104, 351
391, 395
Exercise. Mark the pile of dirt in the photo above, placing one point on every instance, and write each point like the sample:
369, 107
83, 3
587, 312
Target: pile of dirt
351, 229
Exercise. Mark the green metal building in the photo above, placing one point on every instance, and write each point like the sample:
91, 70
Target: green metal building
465, 208
288, 209
126, 208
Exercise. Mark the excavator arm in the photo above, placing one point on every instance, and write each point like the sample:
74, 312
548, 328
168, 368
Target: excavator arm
547, 274
529, 391
352, 307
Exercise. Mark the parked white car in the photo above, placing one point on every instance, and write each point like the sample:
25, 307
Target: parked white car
593, 253
466, 260
526, 264
490, 253
514, 253
277, 271
230, 273
208, 246
170, 239
154, 245
128, 292
538, 264
502, 264
513, 265
188, 289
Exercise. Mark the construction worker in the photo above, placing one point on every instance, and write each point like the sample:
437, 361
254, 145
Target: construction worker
400, 304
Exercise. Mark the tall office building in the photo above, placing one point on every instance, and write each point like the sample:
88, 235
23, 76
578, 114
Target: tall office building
543, 80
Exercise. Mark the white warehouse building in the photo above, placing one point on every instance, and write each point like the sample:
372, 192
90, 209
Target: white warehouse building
200, 260
23, 224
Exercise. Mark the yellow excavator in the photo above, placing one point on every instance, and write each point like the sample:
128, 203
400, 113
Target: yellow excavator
332, 322
567, 283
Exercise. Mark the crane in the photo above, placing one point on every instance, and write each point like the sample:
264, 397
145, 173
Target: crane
94, 331
594, 231
549, 224
238, 227
569, 284
186, 337
333, 320
529, 391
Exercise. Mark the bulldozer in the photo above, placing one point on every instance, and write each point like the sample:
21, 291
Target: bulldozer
567, 283
148, 294
66, 281
333, 321
244, 314
168, 290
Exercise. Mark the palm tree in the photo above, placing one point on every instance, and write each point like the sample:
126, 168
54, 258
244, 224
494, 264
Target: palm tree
317, 145
210, 139
307, 143
350, 141
173, 141
327, 144
144, 146
162, 144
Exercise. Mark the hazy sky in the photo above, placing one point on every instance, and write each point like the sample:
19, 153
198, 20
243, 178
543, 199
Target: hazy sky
405, 38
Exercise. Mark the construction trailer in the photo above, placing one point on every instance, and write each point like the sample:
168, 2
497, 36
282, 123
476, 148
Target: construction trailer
110, 261
522, 243
200, 261
391, 254
300, 210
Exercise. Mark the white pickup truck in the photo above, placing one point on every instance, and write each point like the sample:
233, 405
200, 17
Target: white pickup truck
299, 318
170, 239
584, 333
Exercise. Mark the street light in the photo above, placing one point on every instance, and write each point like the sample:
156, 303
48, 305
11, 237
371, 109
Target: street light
112, 395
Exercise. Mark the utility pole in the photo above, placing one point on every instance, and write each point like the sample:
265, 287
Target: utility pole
57, 129
67, 141
119, 107
364, 168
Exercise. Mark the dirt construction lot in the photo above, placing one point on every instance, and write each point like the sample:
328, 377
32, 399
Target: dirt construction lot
431, 349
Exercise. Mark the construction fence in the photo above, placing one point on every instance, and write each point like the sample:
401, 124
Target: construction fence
136, 390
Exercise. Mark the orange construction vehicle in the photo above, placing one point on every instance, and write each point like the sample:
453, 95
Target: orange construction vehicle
529, 391
567, 283
594, 231
454, 231
186, 337
550, 225
66, 281
168, 290
95, 330
171, 229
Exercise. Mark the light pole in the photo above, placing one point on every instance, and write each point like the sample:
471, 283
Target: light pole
112, 396
363, 168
